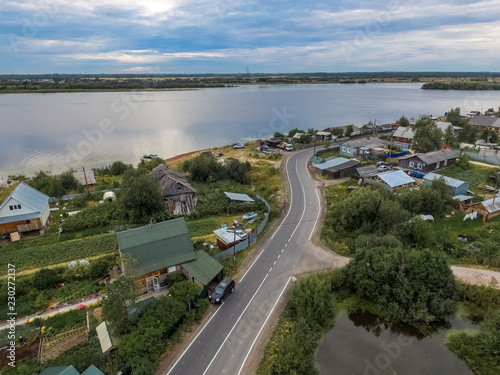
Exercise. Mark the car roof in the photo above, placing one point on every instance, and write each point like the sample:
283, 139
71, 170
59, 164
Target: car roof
225, 281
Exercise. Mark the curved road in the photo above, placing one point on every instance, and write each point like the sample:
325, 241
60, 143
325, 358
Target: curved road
225, 342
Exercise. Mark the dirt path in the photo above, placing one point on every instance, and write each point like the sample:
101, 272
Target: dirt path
477, 276
484, 164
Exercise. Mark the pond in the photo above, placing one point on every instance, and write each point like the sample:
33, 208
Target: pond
363, 343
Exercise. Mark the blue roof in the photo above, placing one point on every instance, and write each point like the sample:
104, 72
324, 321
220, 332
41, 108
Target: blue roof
449, 181
92, 370
332, 163
60, 370
395, 178
238, 197
29, 196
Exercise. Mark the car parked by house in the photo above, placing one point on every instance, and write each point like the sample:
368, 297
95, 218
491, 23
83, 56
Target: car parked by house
222, 290
289, 147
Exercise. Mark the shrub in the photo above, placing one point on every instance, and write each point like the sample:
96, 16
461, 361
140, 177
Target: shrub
46, 278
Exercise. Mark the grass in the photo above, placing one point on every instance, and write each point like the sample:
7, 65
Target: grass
475, 175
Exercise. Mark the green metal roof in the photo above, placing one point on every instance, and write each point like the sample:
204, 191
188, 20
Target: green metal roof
204, 268
92, 370
317, 160
60, 370
157, 246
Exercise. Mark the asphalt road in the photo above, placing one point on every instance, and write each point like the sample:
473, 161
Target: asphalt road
225, 342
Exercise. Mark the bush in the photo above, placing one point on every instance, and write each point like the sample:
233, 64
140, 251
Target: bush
63, 322
93, 217
46, 278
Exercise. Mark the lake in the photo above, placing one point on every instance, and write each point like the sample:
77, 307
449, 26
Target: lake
62, 130
361, 343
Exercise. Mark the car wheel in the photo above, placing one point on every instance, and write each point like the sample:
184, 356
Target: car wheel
222, 300
232, 289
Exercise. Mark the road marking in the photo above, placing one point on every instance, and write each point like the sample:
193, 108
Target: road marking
282, 250
286, 244
249, 268
274, 263
279, 256
234, 326
291, 198
262, 327
270, 269
194, 340
319, 208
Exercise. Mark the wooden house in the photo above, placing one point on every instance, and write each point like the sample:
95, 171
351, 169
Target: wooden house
361, 147
392, 181
86, 178
428, 162
488, 208
24, 210
403, 137
152, 252
337, 168
179, 196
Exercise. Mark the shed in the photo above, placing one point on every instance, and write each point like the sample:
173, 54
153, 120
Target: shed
179, 196
362, 172
86, 178
273, 142
24, 210
104, 336
462, 202
392, 180
488, 208
203, 269
324, 135
237, 197
317, 160
457, 187
227, 237
337, 168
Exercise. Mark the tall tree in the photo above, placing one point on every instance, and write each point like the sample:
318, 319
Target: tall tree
449, 136
119, 295
469, 133
454, 116
403, 121
141, 197
489, 135
427, 136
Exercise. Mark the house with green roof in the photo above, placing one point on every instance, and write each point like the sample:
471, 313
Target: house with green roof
151, 252
70, 370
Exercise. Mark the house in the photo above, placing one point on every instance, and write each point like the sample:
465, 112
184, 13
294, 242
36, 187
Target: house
24, 210
324, 135
486, 122
488, 208
362, 172
70, 370
158, 249
457, 187
360, 147
86, 178
403, 137
179, 196
229, 237
239, 198
429, 161
392, 180
337, 168
274, 142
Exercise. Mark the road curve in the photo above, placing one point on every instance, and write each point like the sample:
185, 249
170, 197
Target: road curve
225, 342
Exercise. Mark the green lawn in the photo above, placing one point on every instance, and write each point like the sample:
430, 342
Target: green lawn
475, 175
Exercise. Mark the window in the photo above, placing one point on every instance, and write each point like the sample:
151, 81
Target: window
437, 165
11, 207
412, 164
15, 207
18, 206
172, 269
343, 149
348, 150
419, 166
445, 163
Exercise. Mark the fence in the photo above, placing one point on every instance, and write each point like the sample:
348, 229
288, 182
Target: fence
487, 156
396, 155
250, 239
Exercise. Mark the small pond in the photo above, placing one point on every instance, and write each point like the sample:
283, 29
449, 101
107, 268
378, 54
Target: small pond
361, 343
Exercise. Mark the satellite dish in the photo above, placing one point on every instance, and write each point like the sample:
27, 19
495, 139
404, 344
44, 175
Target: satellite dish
72, 265
84, 262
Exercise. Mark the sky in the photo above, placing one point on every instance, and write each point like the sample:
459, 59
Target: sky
267, 36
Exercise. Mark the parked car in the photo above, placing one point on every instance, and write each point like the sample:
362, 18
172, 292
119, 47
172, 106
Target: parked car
289, 147
416, 174
239, 145
383, 168
225, 287
249, 216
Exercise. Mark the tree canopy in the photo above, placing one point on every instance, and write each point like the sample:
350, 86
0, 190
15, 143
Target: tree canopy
119, 295
427, 136
403, 121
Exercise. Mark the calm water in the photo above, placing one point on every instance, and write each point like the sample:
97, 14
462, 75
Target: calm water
58, 131
362, 344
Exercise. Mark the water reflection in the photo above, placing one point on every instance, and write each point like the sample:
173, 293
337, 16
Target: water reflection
363, 343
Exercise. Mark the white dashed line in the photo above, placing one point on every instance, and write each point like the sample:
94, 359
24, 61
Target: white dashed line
270, 269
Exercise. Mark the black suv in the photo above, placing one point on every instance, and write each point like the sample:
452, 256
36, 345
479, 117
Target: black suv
225, 287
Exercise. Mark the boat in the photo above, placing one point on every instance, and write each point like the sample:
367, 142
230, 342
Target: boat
150, 156
249, 216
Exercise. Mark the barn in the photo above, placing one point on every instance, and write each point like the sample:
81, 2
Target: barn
457, 187
179, 196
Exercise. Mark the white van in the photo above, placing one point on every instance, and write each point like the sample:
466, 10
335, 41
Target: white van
289, 147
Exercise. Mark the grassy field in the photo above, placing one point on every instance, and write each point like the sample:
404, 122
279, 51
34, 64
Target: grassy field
475, 175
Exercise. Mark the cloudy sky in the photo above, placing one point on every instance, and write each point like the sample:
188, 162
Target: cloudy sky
225, 36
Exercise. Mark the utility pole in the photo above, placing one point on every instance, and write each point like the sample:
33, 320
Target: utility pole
86, 183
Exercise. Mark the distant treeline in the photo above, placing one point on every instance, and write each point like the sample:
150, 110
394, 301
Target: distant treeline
472, 85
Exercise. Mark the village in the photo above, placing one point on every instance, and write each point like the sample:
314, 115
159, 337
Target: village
171, 230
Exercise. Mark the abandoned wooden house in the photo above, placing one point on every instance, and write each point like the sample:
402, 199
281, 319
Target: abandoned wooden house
179, 196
